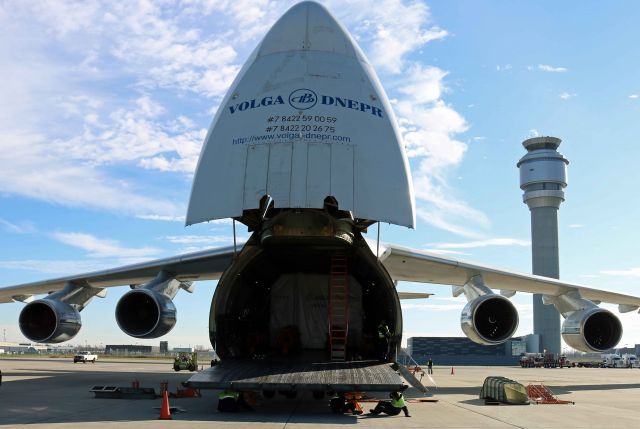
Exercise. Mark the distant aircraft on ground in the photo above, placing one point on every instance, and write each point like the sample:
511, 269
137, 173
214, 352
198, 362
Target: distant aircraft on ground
305, 151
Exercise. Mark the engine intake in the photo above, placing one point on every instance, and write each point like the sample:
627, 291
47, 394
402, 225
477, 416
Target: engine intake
489, 319
592, 330
145, 313
49, 321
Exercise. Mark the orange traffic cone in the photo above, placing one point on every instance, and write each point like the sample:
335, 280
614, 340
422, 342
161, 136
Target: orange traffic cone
452, 372
165, 413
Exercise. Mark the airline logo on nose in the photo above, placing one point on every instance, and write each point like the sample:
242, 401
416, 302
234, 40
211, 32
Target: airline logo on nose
303, 99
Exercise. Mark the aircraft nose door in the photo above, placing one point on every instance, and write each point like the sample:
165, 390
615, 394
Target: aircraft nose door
299, 174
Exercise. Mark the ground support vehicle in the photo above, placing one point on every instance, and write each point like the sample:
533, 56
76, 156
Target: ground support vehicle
590, 364
186, 361
85, 357
630, 361
612, 360
544, 360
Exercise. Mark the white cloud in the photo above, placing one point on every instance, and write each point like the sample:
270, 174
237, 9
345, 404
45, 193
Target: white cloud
566, 95
226, 221
31, 166
433, 307
576, 225
504, 67
390, 36
439, 219
631, 272
423, 84
137, 133
17, 228
163, 218
203, 239
103, 248
446, 252
61, 267
534, 133
483, 243
634, 96
551, 69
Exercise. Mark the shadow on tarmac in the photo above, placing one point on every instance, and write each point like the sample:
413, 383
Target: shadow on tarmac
62, 396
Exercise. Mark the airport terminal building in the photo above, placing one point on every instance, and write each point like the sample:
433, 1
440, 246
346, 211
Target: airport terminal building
463, 351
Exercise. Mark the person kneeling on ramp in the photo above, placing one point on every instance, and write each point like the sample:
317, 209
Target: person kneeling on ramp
231, 401
392, 407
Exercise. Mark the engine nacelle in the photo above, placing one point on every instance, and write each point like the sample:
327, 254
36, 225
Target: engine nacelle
145, 313
49, 321
592, 330
489, 319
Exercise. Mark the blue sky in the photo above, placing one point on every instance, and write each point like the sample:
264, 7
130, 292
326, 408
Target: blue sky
104, 109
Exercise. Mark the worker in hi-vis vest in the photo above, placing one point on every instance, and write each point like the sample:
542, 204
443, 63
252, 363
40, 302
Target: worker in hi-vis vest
384, 336
231, 401
393, 407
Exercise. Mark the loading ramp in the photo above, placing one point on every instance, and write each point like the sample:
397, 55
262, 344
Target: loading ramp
295, 375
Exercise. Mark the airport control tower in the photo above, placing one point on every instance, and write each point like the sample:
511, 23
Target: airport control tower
543, 176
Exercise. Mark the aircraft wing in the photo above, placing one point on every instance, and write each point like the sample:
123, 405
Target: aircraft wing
423, 267
204, 265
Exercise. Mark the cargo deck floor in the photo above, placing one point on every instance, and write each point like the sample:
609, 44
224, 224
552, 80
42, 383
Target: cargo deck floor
241, 374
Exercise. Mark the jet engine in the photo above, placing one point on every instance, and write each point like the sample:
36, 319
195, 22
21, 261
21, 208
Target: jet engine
148, 311
592, 330
489, 319
145, 313
49, 321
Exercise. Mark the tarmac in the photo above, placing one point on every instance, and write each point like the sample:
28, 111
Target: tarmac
54, 393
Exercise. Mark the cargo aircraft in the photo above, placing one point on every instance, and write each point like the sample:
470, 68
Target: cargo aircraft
305, 151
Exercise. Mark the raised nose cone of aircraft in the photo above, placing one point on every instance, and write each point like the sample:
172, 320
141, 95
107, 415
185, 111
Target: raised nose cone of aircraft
305, 119
308, 26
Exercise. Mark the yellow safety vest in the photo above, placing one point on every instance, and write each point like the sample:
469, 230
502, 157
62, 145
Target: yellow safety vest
383, 331
398, 403
228, 394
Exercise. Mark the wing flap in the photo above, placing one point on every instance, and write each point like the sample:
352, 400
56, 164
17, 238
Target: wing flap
413, 295
423, 267
203, 265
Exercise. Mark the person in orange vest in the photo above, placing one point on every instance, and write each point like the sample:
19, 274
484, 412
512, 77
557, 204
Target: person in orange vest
340, 405
393, 407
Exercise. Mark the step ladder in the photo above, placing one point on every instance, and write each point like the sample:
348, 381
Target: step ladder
541, 394
338, 307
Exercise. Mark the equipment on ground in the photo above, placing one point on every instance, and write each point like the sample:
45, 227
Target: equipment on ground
117, 392
503, 390
541, 394
186, 361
